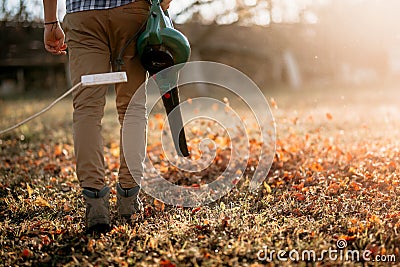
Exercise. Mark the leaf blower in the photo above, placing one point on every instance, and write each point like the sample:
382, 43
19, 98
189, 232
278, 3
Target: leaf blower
160, 46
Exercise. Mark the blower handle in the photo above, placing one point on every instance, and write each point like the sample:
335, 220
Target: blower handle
167, 21
169, 18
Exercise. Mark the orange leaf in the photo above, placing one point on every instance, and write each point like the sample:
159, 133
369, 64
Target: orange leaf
225, 221
26, 253
30, 190
299, 186
160, 125
299, 196
195, 210
50, 167
151, 125
355, 186
42, 202
374, 219
67, 206
315, 166
114, 150
215, 107
45, 240
158, 116
148, 211
273, 103
91, 244
166, 263
58, 150
333, 188
296, 212
352, 230
347, 237
329, 116
160, 206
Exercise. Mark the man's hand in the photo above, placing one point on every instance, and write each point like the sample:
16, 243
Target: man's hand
54, 39
165, 4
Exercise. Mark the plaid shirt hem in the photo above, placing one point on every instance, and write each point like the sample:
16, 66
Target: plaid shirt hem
83, 5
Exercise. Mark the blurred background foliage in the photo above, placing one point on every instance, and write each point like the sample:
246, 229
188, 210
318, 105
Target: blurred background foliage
276, 42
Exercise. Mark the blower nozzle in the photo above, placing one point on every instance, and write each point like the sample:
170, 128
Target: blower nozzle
156, 58
171, 102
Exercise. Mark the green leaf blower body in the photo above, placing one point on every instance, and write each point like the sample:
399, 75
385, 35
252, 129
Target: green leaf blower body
161, 46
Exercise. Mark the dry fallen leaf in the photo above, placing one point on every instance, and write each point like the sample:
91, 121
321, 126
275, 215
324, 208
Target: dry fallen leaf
267, 188
30, 190
195, 210
347, 238
91, 245
42, 202
166, 263
299, 196
58, 150
159, 205
273, 103
45, 240
67, 206
333, 188
26, 253
317, 173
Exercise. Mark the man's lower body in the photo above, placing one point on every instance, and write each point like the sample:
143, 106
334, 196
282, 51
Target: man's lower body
95, 39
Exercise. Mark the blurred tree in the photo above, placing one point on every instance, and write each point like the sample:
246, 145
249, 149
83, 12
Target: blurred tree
21, 10
260, 12
22, 14
5, 13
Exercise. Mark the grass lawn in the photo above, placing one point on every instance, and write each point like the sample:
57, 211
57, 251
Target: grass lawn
335, 177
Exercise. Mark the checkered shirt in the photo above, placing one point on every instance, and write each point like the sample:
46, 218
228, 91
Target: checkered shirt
82, 5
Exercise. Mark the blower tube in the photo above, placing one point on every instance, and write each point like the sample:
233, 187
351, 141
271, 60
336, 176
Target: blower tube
160, 46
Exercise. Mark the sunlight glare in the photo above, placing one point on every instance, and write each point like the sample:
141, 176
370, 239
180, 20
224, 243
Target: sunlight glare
262, 18
229, 4
250, 2
277, 15
228, 19
310, 17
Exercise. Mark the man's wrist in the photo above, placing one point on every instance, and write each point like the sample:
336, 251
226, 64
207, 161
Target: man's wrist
51, 22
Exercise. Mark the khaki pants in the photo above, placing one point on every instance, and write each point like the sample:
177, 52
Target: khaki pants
95, 39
